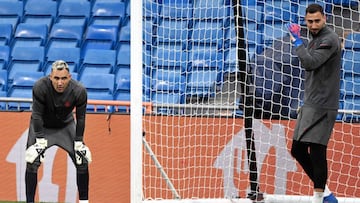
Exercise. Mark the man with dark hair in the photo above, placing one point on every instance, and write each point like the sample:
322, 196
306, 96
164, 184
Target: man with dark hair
52, 123
321, 62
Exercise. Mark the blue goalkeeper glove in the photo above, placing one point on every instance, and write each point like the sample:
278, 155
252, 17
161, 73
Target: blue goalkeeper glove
294, 31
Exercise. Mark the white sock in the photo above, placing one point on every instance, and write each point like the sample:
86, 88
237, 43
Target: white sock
318, 197
83, 201
327, 191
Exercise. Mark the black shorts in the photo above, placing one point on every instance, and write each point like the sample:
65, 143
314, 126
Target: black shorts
61, 137
314, 125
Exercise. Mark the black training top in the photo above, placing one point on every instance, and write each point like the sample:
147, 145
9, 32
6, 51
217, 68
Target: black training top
51, 109
322, 63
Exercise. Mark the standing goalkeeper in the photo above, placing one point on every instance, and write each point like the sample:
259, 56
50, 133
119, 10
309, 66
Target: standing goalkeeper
316, 118
52, 123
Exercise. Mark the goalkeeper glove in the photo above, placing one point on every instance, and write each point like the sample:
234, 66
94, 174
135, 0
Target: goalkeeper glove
294, 30
36, 150
82, 152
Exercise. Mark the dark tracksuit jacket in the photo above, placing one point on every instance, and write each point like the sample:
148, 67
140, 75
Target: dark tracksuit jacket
321, 60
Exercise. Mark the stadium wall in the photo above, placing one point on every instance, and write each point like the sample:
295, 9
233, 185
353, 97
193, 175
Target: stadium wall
109, 141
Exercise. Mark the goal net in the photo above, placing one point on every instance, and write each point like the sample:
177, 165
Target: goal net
225, 86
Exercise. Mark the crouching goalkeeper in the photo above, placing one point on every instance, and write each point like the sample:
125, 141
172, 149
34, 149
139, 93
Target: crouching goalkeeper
52, 123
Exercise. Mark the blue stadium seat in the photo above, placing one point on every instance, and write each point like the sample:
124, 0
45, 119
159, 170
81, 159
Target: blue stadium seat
6, 32
210, 9
151, 9
40, 12
74, 12
71, 55
123, 79
123, 56
124, 34
167, 98
352, 41
65, 35
3, 80
99, 86
24, 81
169, 56
351, 62
4, 56
107, 13
148, 32
24, 59
202, 82
100, 37
11, 12
206, 57
165, 80
92, 63
177, 10
208, 32
230, 60
173, 31
277, 11
21, 87
32, 35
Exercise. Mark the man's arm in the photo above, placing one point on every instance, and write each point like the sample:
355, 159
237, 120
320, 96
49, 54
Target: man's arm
80, 114
324, 50
38, 109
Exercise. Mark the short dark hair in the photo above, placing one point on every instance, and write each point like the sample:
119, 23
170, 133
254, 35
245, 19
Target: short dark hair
313, 8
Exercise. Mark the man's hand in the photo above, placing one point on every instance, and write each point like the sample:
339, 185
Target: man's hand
82, 153
294, 31
36, 150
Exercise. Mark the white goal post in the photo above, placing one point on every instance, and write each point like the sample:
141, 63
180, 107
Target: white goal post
225, 86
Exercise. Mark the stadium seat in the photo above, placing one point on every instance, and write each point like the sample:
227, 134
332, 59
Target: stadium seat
169, 56
351, 62
165, 80
11, 12
65, 35
24, 80
4, 56
74, 12
24, 59
71, 55
208, 32
100, 37
3, 80
123, 56
206, 57
202, 82
30, 35
148, 33
124, 34
92, 63
173, 31
176, 10
6, 32
151, 9
165, 98
21, 87
40, 12
210, 9
99, 86
122, 79
230, 60
107, 13
352, 41
277, 11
